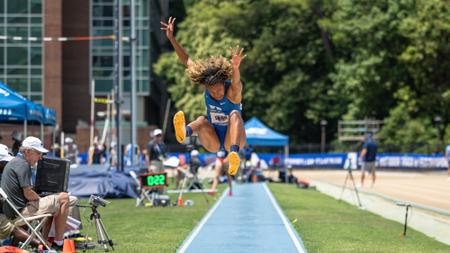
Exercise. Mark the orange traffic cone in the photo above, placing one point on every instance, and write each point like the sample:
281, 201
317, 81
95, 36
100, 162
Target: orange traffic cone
72, 244
254, 178
180, 201
69, 246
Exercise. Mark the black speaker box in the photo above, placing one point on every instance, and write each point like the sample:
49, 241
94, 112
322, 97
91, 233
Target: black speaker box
161, 200
52, 175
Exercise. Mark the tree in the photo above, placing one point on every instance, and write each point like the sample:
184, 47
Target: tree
284, 69
323, 59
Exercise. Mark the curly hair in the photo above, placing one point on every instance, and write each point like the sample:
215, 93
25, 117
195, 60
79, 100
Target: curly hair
211, 71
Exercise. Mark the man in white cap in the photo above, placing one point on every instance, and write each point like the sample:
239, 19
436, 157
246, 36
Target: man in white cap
156, 151
16, 182
6, 227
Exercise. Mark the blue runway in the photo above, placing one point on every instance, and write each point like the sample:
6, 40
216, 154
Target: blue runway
249, 221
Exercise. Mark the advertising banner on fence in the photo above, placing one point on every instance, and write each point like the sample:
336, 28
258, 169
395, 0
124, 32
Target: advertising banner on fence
317, 160
411, 161
391, 161
341, 160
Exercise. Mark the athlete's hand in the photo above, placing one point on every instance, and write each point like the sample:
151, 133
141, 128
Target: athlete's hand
237, 56
168, 27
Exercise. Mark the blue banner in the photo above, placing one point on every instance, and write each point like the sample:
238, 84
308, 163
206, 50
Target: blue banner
411, 161
337, 160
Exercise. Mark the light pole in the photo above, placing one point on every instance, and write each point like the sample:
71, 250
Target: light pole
118, 78
133, 80
323, 124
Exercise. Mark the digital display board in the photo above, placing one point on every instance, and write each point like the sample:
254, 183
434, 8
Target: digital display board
154, 180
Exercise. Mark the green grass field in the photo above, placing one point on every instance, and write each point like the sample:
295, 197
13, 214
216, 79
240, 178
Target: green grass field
326, 225
148, 229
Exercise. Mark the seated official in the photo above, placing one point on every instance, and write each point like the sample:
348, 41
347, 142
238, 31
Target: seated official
17, 183
7, 229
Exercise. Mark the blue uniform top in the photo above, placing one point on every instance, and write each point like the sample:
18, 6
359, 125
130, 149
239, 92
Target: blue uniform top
218, 112
371, 151
447, 151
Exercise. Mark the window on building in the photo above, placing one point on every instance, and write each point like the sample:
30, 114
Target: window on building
21, 60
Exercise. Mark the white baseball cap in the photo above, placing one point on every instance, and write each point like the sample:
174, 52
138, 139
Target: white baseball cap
4, 153
157, 132
194, 152
34, 143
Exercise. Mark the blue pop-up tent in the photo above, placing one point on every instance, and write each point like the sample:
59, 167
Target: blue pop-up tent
35, 112
14, 108
258, 134
49, 116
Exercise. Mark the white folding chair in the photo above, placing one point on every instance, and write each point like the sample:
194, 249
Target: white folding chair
34, 230
144, 194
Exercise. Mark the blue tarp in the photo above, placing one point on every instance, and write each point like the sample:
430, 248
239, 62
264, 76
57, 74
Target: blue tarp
258, 134
87, 180
13, 106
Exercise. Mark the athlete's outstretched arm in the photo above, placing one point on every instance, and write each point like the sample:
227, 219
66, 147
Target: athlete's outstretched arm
169, 28
235, 91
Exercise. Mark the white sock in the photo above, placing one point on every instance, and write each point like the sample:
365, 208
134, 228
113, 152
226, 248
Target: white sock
59, 243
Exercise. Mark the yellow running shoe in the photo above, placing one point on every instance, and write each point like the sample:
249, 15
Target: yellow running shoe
179, 123
234, 161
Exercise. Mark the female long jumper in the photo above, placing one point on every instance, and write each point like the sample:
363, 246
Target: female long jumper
223, 127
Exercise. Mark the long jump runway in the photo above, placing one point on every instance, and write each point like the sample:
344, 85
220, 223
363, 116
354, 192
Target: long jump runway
249, 221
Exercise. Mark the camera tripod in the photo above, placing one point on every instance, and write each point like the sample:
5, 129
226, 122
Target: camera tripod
350, 175
102, 235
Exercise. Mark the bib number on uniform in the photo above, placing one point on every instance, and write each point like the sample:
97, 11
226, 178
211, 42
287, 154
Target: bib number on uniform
219, 118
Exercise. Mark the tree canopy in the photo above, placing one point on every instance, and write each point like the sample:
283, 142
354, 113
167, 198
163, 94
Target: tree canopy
309, 60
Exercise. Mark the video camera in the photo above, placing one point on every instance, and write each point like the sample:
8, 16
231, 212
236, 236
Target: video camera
96, 201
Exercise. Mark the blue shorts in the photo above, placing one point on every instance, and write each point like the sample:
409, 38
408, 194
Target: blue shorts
221, 132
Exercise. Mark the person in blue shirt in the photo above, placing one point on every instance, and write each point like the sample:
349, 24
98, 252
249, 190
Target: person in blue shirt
223, 127
368, 158
447, 156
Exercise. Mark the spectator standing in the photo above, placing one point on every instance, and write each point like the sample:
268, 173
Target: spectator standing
70, 150
156, 152
99, 155
368, 157
17, 142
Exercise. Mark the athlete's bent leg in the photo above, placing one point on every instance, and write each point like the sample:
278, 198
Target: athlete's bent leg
234, 140
201, 126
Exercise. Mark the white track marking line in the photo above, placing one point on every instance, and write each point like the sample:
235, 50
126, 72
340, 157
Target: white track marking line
197, 229
285, 221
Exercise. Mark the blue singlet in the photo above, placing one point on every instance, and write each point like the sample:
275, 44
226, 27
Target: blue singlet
218, 112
